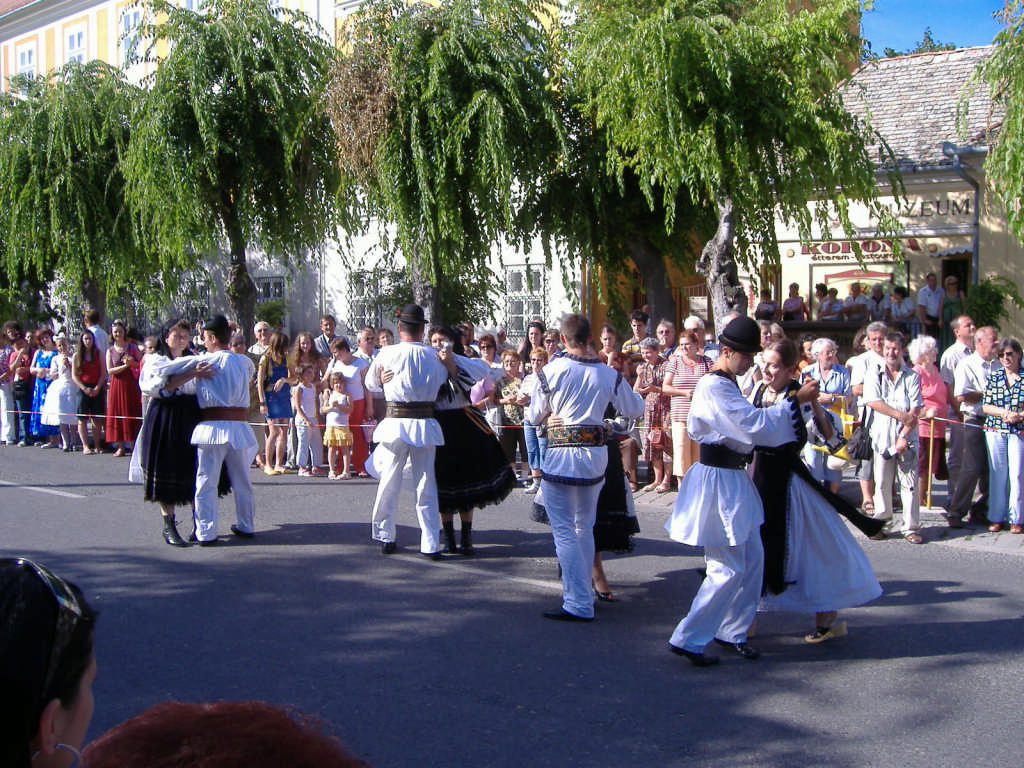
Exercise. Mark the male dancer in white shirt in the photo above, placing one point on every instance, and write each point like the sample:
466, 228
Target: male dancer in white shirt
223, 437
718, 506
409, 374
577, 387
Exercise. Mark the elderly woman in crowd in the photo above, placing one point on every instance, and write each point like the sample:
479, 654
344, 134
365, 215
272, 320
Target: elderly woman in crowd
834, 386
1003, 404
683, 371
937, 397
47, 667
650, 377
895, 398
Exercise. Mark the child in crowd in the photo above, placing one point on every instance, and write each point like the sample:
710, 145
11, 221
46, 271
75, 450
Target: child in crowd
310, 453
60, 406
338, 437
148, 349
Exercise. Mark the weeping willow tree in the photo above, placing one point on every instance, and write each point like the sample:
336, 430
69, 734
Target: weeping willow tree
727, 114
1003, 73
445, 125
231, 143
62, 204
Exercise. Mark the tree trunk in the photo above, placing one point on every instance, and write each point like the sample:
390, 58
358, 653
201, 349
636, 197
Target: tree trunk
241, 290
424, 287
95, 297
651, 264
718, 266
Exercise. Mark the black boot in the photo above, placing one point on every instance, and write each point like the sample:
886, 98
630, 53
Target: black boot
449, 537
467, 539
171, 534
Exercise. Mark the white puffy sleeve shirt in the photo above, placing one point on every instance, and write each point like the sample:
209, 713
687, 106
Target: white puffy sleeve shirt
579, 392
227, 388
418, 375
721, 507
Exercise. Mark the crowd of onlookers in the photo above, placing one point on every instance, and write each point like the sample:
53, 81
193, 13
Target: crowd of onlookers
946, 405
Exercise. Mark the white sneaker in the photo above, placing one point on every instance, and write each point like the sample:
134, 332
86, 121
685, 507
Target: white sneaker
534, 487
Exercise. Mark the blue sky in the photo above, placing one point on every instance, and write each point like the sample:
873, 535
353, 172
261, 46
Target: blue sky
900, 24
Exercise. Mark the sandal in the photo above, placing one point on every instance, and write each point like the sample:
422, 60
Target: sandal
821, 634
913, 537
995, 527
607, 597
868, 508
651, 487
1016, 529
663, 489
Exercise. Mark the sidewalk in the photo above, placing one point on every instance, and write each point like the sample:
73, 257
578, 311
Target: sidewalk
933, 523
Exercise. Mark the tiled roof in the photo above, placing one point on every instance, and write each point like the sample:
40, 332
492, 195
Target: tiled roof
6, 6
912, 102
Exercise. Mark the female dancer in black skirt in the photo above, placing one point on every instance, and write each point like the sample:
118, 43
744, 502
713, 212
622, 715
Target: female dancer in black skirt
471, 468
164, 459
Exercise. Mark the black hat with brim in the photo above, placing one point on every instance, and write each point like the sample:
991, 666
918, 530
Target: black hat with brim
412, 314
742, 335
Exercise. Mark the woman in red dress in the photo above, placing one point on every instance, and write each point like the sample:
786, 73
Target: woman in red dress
124, 399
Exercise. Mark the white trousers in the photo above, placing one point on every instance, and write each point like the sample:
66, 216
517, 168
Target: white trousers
310, 452
1005, 465
7, 421
727, 599
391, 459
572, 510
236, 461
902, 471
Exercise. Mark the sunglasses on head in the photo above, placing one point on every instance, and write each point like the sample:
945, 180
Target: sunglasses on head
69, 613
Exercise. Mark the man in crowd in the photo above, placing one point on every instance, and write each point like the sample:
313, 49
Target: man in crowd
410, 374
868, 364
262, 333
929, 305
92, 323
969, 380
327, 335
366, 343
855, 307
963, 330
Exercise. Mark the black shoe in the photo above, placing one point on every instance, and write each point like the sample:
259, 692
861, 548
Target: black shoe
171, 535
466, 547
192, 539
742, 649
953, 521
697, 659
433, 555
242, 534
563, 615
210, 543
388, 548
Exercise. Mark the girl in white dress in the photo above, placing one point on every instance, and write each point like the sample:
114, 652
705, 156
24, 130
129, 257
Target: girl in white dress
60, 407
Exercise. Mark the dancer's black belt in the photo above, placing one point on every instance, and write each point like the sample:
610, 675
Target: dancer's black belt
409, 411
714, 455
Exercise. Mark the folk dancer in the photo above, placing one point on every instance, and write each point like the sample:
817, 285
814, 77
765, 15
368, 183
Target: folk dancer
409, 374
578, 388
223, 437
718, 506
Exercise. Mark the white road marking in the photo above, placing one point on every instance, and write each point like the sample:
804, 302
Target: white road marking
51, 491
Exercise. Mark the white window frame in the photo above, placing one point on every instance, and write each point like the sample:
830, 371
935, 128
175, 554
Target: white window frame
526, 297
25, 59
128, 23
76, 43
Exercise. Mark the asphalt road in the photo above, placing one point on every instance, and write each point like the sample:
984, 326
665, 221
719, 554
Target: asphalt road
419, 663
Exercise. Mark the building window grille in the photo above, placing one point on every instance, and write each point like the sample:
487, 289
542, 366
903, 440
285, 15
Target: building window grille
526, 298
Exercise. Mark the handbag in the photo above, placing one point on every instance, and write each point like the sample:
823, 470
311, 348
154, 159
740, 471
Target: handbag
858, 446
656, 438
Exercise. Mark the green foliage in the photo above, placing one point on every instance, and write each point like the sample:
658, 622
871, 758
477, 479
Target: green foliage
272, 311
231, 142
1003, 73
62, 205
706, 99
445, 126
927, 44
986, 301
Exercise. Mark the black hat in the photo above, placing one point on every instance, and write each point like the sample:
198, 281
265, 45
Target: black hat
412, 314
218, 324
742, 334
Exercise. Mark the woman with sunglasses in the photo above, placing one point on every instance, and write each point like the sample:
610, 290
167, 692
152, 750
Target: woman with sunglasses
1003, 404
47, 667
